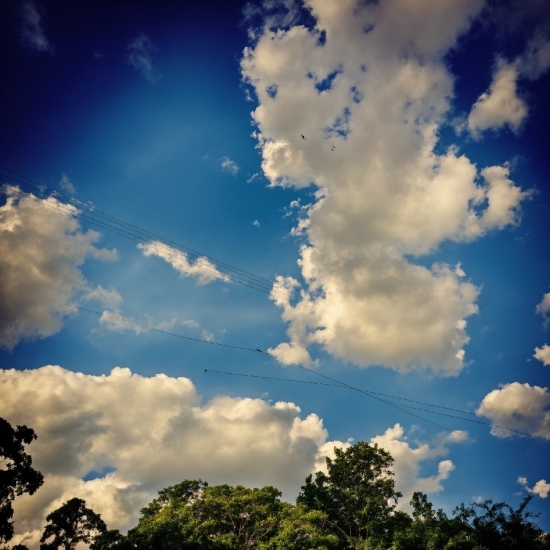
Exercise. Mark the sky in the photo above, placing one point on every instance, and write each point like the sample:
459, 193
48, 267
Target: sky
355, 188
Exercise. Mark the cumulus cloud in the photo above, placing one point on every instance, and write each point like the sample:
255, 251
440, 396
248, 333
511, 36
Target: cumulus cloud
541, 488
229, 165
202, 268
152, 432
543, 354
409, 459
32, 33
500, 106
140, 51
384, 195
66, 184
41, 251
520, 407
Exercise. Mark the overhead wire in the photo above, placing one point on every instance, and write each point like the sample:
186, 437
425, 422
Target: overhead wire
69, 205
369, 392
336, 384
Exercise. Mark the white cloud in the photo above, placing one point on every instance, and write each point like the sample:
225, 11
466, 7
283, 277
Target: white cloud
500, 106
157, 431
32, 33
66, 184
518, 407
384, 195
107, 298
204, 270
541, 488
41, 251
140, 50
230, 166
256, 223
86, 423
409, 459
543, 354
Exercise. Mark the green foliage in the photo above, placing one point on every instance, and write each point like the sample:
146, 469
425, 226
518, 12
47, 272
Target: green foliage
499, 526
70, 524
484, 526
301, 529
355, 494
17, 475
193, 515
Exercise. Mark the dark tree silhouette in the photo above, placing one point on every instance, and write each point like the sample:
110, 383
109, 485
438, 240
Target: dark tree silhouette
17, 476
70, 524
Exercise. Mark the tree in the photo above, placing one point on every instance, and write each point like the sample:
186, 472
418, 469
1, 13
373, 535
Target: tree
193, 515
500, 527
17, 475
70, 524
302, 529
355, 494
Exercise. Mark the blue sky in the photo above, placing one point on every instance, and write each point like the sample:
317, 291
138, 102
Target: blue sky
412, 260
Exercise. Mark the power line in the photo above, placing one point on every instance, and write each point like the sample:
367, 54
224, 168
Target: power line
169, 248
387, 395
338, 383
135, 323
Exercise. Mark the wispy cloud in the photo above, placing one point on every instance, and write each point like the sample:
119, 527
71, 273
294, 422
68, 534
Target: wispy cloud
140, 50
229, 165
32, 33
204, 270
66, 184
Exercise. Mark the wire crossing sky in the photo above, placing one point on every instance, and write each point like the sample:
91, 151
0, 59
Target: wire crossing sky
376, 170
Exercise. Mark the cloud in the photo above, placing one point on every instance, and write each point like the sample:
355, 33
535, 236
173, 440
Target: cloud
204, 270
256, 223
229, 165
152, 432
66, 184
544, 307
384, 196
41, 251
107, 298
86, 423
32, 33
500, 106
409, 461
140, 50
543, 354
519, 407
541, 488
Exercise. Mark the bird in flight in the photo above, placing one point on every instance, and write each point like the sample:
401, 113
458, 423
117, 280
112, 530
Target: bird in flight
303, 137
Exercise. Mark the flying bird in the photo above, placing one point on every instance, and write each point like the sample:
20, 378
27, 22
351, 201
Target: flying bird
303, 137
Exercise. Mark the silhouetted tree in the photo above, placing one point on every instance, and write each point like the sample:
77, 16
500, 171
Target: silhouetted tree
70, 524
17, 475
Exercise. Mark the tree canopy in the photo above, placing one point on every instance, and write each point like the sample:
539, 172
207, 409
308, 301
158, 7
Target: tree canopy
70, 524
353, 506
